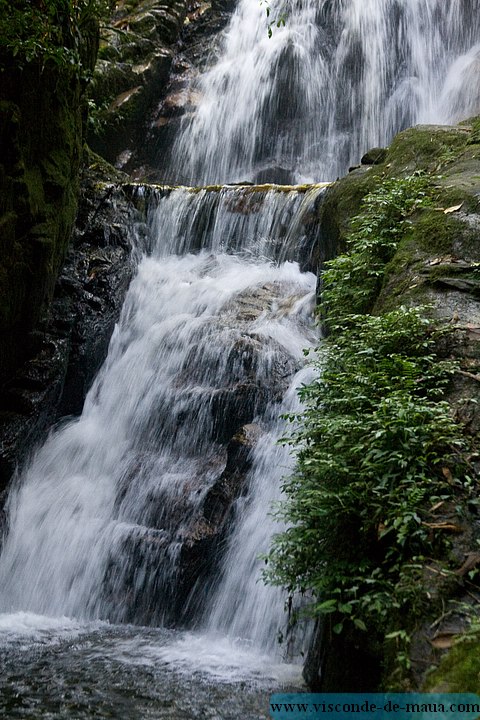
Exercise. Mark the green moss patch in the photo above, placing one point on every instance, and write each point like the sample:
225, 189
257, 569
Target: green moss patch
425, 146
435, 233
459, 670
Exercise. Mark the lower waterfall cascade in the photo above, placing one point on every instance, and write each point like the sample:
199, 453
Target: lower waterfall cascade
130, 567
110, 507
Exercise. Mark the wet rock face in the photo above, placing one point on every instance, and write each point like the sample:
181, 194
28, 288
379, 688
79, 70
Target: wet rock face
38, 196
92, 285
28, 404
198, 46
72, 339
135, 59
179, 561
201, 550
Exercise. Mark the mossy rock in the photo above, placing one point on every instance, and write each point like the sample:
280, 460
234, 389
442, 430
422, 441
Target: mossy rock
459, 669
39, 186
342, 202
425, 147
99, 170
429, 266
125, 47
433, 232
135, 61
460, 181
436, 233
374, 156
111, 79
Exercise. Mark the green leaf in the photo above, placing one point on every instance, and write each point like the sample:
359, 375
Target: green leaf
359, 624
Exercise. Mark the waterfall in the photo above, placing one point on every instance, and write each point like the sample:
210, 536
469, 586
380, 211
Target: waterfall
341, 77
211, 336
152, 507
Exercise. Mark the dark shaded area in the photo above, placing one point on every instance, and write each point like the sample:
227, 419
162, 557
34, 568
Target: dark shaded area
71, 339
38, 195
347, 663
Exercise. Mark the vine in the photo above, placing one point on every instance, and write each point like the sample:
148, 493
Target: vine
278, 21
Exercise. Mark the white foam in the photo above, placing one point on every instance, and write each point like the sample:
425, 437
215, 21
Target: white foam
208, 655
340, 78
97, 523
30, 628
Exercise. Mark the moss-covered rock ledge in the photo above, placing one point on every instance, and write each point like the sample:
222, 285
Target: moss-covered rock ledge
409, 227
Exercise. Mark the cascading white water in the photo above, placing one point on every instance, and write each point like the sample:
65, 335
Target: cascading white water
243, 606
341, 77
205, 342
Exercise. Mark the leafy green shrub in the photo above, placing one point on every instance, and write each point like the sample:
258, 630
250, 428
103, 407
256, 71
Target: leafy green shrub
376, 445
373, 443
47, 31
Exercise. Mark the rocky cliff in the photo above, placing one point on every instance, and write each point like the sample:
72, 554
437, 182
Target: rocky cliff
136, 54
72, 340
41, 129
44, 59
435, 266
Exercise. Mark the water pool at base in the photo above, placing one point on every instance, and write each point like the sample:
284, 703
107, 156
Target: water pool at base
63, 669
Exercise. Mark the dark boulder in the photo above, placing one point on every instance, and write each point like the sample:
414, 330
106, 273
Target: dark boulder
375, 156
131, 75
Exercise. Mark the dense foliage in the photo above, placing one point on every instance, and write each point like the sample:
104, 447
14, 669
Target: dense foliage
377, 448
47, 31
375, 443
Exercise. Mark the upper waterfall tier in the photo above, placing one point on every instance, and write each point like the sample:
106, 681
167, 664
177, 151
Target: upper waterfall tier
338, 79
